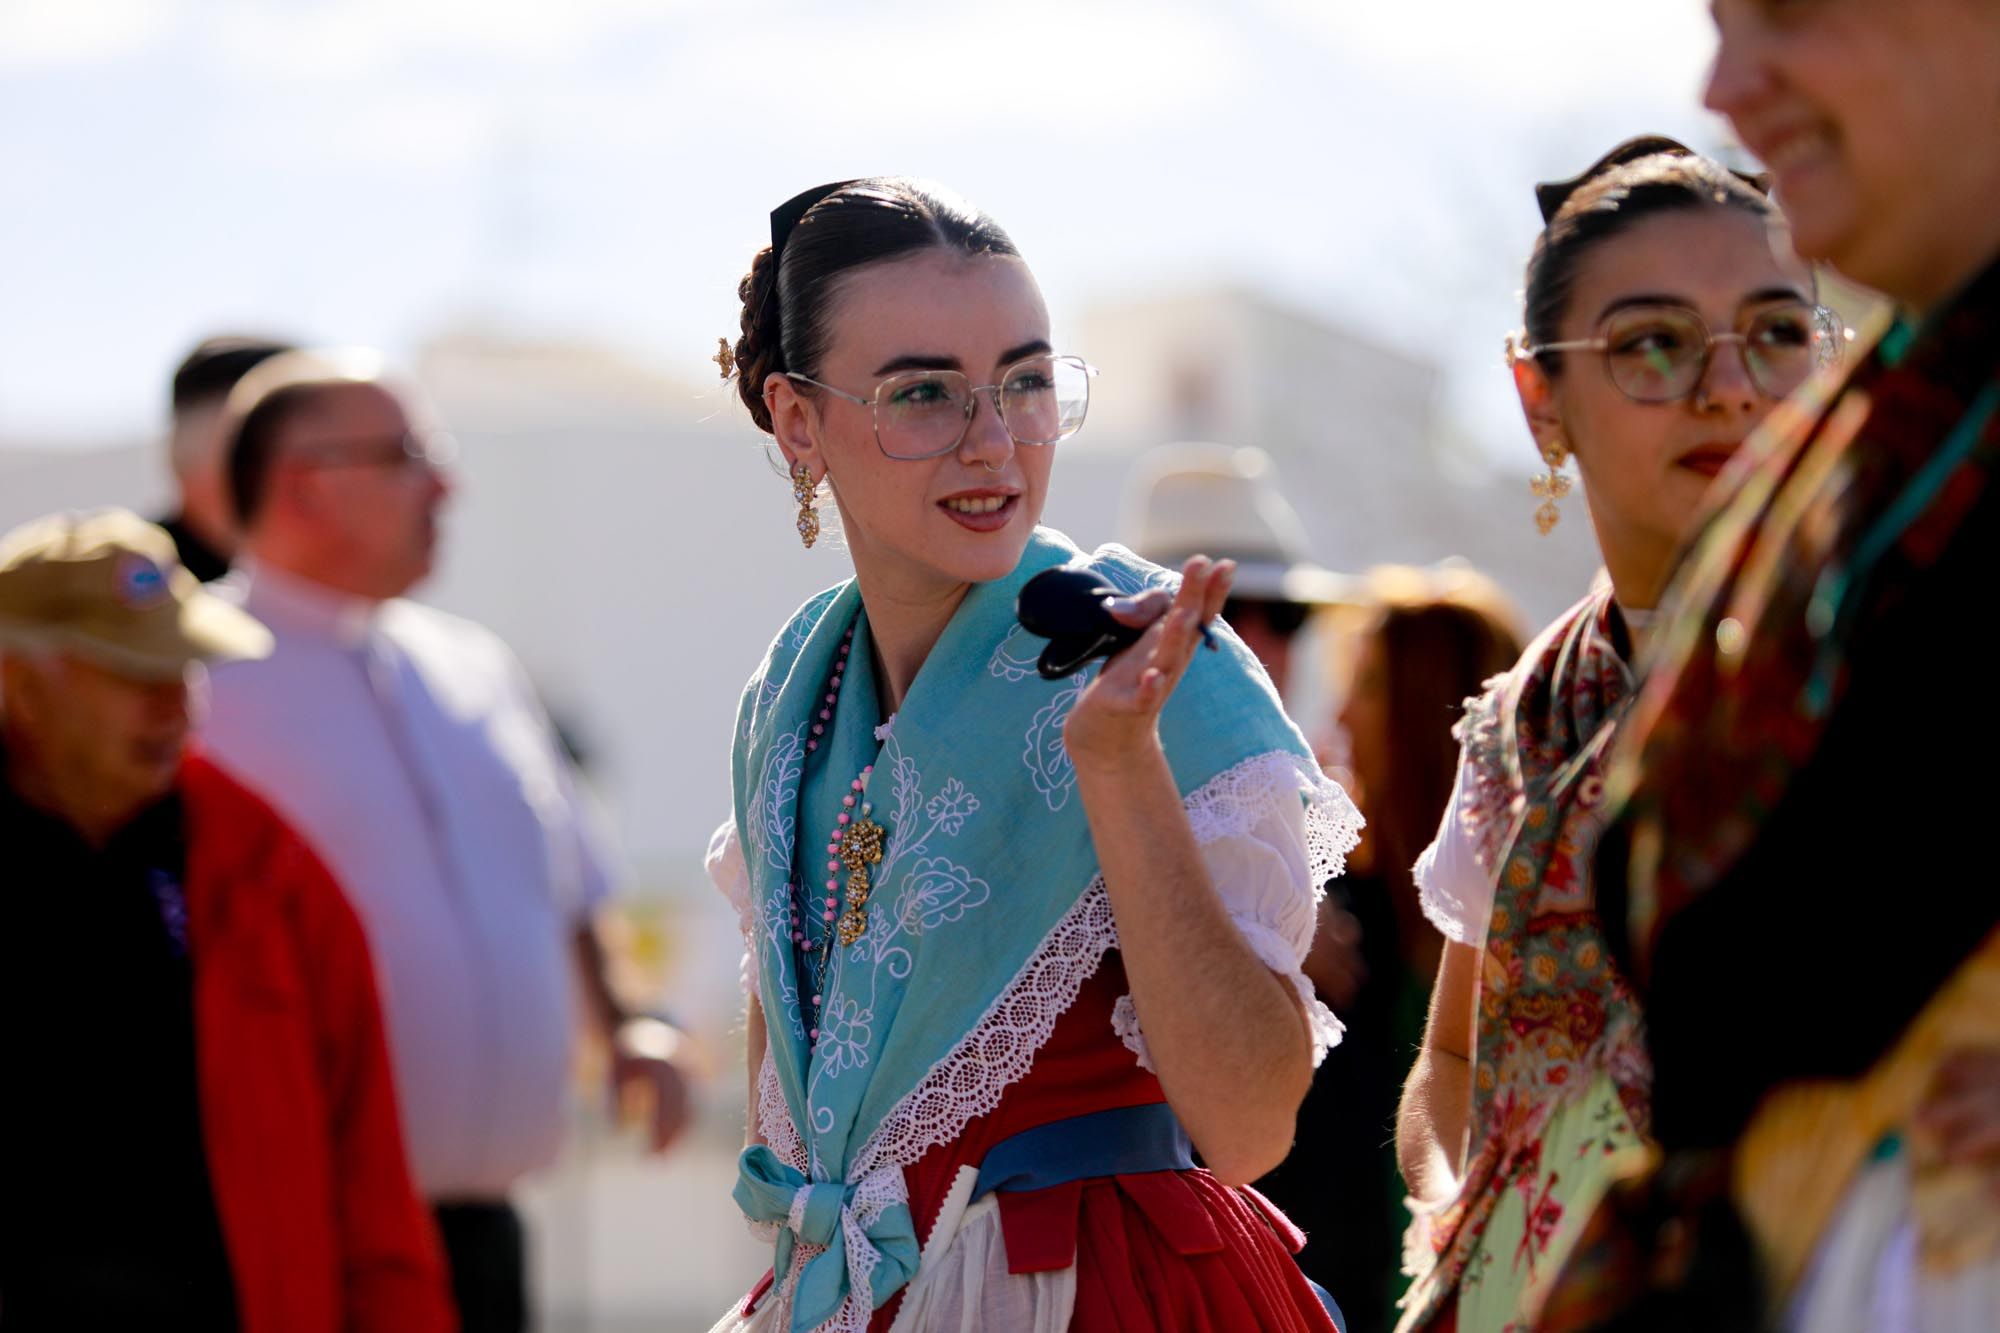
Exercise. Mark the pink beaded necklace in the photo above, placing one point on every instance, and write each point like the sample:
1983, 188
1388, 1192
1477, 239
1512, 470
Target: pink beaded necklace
855, 843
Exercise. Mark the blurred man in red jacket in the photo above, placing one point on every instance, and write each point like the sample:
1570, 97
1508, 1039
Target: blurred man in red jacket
200, 1130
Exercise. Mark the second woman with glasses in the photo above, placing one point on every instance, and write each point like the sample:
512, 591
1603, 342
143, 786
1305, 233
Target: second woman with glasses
1666, 316
1018, 947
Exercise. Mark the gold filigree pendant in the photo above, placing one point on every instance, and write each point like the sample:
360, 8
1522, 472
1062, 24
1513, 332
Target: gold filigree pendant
861, 847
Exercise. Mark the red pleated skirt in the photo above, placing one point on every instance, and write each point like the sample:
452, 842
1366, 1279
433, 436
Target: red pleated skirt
1160, 1252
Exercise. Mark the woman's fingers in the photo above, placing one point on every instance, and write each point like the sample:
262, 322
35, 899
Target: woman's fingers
1139, 611
1204, 587
1142, 676
1182, 637
1124, 670
1195, 577
1219, 584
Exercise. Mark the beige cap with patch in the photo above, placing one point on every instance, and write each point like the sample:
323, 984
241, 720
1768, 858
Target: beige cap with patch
108, 587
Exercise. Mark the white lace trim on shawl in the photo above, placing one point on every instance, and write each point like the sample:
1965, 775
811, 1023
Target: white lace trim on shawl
1000, 1048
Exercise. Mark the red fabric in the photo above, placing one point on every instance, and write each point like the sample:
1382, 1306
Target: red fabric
1156, 1253
323, 1227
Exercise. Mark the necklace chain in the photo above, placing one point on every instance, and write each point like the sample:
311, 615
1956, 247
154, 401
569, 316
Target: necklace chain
855, 843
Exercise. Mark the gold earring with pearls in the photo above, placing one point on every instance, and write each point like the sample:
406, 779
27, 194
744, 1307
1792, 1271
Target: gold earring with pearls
804, 490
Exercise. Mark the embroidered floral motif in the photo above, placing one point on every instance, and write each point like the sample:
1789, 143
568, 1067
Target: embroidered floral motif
1016, 657
772, 819
1045, 754
808, 617
1544, 1216
938, 893
845, 1029
951, 807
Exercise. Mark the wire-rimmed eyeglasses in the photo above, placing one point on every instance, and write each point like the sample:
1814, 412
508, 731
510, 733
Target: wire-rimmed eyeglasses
432, 449
1040, 400
1658, 353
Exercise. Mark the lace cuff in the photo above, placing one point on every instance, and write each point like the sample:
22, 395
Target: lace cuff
1325, 1029
1272, 832
1280, 957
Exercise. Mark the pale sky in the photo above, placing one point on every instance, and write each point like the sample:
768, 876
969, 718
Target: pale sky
373, 171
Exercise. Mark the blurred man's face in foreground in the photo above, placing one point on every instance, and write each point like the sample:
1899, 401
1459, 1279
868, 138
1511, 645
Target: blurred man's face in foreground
1875, 117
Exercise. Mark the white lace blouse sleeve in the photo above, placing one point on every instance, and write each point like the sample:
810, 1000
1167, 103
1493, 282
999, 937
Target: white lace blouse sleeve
1456, 892
1272, 832
729, 874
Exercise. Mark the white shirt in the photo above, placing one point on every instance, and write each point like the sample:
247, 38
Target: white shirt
1455, 890
408, 747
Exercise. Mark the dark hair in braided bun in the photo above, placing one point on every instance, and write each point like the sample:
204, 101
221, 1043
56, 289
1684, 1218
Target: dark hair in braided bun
756, 355
787, 296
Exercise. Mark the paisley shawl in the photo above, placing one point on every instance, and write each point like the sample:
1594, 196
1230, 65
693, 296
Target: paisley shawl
1858, 486
1554, 1012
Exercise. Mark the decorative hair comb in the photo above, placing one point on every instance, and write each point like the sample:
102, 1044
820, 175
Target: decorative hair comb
787, 215
1552, 195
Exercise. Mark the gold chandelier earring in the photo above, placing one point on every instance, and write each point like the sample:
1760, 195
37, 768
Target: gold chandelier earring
1551, 486
804, 489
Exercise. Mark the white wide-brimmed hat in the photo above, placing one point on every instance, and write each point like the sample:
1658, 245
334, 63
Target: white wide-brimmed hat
1223, 501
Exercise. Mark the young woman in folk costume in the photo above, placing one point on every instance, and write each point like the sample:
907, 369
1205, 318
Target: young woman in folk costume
1017, 947
1665, 316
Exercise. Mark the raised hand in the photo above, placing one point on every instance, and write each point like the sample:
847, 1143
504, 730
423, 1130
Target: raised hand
1118, 714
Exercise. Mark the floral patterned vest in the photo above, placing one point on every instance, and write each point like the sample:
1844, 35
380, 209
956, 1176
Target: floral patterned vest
1554, 1011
